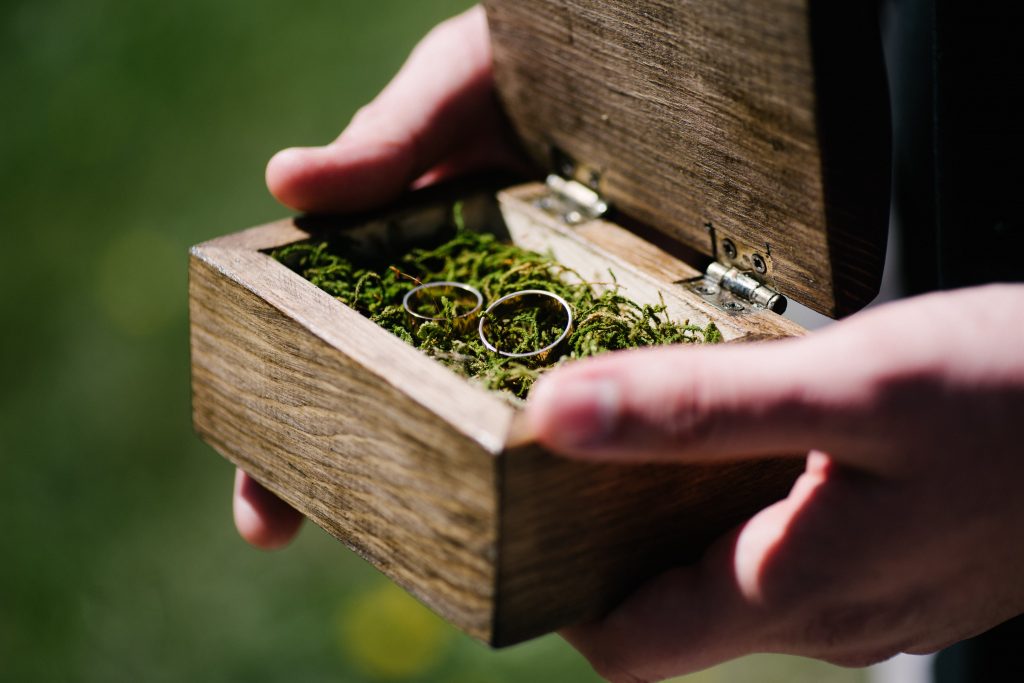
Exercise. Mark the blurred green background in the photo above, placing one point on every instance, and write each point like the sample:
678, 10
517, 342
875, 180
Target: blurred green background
132, 130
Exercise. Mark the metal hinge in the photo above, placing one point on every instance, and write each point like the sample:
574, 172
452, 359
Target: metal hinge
725, 286
572, 201
574, 190
733, 290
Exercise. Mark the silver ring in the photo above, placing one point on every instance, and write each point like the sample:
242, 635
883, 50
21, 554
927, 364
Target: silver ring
425, 288
518, 295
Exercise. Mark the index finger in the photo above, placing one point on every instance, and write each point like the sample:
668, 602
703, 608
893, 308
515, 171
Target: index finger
832, 391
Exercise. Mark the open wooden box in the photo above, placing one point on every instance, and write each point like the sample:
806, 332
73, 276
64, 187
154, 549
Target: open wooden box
752, 138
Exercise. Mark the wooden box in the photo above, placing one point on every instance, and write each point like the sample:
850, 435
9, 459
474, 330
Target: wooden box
744, 146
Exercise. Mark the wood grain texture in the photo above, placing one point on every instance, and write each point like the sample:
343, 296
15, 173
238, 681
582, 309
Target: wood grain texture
575, 538
766, 120
301, 392
415, 468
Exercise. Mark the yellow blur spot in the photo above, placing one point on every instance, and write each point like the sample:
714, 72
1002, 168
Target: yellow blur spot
389, 635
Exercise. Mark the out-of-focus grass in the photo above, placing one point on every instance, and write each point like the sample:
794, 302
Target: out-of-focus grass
130, 131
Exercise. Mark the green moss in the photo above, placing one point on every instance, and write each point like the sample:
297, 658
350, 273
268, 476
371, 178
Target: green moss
605, 320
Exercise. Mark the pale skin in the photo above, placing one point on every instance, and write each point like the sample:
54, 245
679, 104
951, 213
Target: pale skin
904, 533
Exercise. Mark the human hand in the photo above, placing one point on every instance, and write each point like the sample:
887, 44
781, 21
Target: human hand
904, 534
437, 118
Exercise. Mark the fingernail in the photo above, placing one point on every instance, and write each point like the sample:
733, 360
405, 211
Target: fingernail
582, 412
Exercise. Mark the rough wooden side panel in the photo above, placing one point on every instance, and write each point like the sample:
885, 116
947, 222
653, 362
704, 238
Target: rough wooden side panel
576, 538
351, 451
700, 113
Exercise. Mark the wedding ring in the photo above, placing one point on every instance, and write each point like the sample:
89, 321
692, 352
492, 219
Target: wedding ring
426, 303
502, 310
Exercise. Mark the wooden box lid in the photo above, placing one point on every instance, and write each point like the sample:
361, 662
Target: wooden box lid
764, 123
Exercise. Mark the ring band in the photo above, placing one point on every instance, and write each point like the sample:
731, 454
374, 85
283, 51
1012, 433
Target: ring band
518, 295
425, 289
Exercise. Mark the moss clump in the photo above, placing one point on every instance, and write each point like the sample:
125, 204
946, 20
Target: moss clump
605, 320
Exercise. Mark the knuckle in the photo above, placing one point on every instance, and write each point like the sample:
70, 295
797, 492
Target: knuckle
364, 113
615, 657
857, 635
832, 628
376, 119
451, 31
376, 127
366, 122
611, 669
443, 28
692, 416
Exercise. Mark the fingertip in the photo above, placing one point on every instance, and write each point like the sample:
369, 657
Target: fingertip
572, 413
288, 174
354, 173
262, 519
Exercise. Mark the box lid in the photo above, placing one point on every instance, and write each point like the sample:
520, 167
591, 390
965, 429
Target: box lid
756, 132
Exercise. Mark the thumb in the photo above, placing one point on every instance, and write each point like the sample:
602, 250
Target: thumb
441, 99
705, 404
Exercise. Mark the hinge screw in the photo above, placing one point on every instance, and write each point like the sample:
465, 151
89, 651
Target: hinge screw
707, 290
729, 248
759, 264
